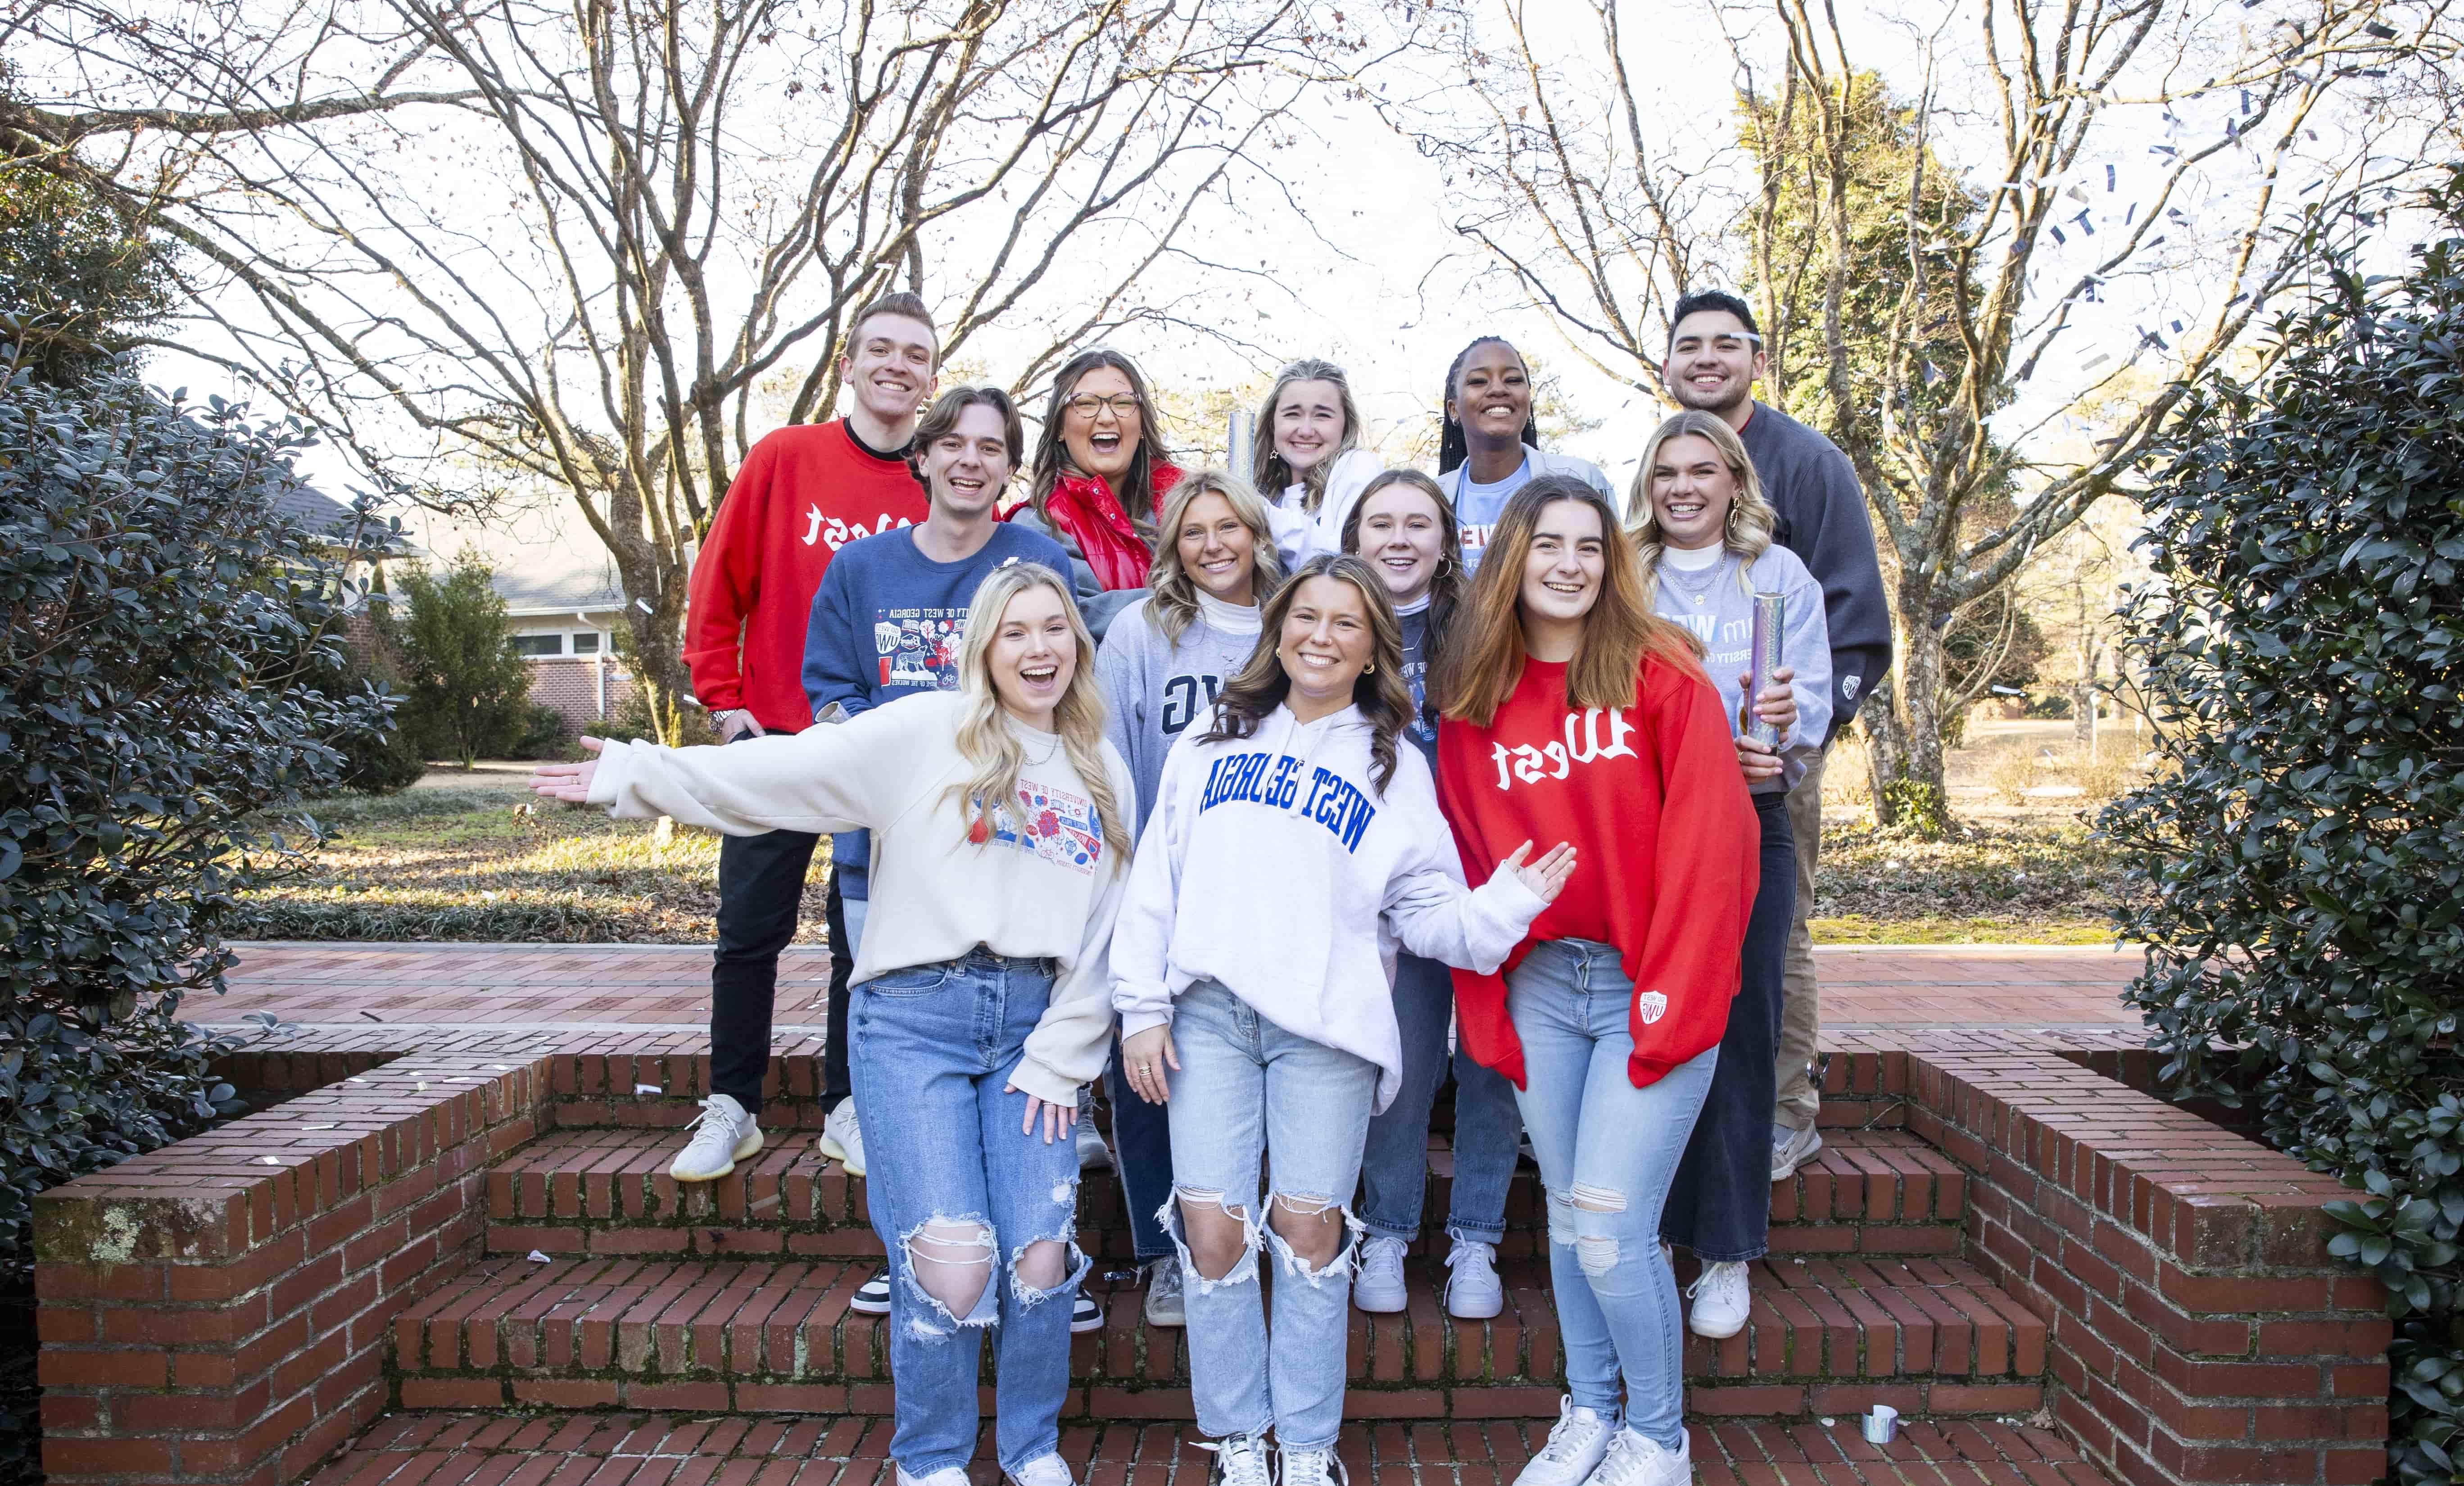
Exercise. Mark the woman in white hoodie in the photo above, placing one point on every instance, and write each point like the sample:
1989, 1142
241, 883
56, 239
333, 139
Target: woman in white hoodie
1000, 830
1308, 460
1290, 845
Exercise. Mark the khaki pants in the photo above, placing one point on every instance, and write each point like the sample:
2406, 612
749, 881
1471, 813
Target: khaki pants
1800, 1020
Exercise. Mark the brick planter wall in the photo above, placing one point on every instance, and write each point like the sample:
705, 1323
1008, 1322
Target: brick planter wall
216, 1311
2200, 1330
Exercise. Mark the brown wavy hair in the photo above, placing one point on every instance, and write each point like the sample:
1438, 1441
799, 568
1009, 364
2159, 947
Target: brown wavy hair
1480, 671
1136, 493
1380, 692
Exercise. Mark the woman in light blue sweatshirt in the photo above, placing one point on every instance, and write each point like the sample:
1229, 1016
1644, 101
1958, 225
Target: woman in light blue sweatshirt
1703, 531
1163, 661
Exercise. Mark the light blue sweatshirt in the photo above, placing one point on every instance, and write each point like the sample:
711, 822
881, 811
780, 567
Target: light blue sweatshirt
1710, 602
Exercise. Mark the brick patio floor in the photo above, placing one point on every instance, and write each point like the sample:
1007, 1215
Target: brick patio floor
639, 987
638, 1450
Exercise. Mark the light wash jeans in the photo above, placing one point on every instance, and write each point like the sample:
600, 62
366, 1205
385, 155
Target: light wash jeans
1607, 1153
932, 1046
1395, 1169
1247, 1089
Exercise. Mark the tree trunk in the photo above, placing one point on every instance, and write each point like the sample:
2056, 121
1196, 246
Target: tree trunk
1903, 734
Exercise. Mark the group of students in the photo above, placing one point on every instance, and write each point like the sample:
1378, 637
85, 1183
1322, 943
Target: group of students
1165, 779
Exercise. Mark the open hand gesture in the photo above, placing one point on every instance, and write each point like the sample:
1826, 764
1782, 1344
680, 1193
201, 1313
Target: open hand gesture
1546, 877
568, 782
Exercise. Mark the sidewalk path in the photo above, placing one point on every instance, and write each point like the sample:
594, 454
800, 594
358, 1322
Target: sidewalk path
667, 987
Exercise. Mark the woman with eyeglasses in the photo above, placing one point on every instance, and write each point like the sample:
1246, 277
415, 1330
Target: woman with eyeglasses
1099, 477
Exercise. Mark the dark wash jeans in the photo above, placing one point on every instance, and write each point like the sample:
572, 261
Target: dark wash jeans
761, 888
1719, 1206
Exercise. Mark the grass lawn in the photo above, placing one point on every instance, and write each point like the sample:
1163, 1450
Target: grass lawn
453, 859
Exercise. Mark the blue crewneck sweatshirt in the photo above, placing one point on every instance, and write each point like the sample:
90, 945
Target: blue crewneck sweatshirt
886, 624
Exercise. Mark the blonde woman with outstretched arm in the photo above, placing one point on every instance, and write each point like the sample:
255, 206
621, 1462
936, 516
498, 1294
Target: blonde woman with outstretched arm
981, 1001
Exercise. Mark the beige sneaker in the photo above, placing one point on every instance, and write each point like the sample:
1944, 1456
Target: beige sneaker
723, 1134
843, 1139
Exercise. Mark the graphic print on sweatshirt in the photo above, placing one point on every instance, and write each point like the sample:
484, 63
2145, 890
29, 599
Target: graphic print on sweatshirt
834, 534
1594, 733
1730, 644
1055, 825
1185, 699
1275, 780
919, 647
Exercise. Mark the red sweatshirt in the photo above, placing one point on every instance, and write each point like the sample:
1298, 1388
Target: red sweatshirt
1667, 843
804, 492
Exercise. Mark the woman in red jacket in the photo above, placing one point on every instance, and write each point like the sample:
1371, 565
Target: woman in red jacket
1573, 712
1099, 478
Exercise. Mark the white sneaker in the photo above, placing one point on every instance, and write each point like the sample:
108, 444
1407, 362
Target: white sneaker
1473, 1291
1377, 1284
947, 1476
1721, 1300
1165, 1304
1633, 1460
1577, 1442
1239, 1462
1792, 1149
873, 1296
723, 1134
1043, 1471
843, 1141
1308, 1467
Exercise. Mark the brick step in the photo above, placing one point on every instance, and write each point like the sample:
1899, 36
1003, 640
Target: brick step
606, 1190
1827, 1335
486, 1450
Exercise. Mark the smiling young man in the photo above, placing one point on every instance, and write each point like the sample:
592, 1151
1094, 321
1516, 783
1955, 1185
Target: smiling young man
1715, 355
886, 622
801, 494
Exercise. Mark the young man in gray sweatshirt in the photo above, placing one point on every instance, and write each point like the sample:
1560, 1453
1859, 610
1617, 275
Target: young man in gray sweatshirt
1714, 357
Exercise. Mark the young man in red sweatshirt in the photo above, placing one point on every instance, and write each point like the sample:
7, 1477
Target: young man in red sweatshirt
803, 492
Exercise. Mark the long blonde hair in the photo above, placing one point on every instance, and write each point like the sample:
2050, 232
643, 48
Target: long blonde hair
988, 742
1175, 605
1752, 520
1273, 473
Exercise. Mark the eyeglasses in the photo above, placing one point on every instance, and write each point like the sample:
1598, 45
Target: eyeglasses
1086, 405
1725, 345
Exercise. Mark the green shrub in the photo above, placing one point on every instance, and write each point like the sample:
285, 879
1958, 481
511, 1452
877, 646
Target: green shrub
541, 733
166, 636
467, 688
2302, 641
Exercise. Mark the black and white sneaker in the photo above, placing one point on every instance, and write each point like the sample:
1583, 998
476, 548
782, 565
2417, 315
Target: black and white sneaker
1084, 1315
1239, 1460
873, 1297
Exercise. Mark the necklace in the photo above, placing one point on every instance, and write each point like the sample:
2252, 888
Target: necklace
1695, 585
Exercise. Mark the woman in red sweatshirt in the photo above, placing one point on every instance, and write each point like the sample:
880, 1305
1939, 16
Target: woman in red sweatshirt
1571, 713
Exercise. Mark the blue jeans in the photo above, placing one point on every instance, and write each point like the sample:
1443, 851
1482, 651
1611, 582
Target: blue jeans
1719, 1206
1142, 1156
1607, 1152
932, 1046
1246, 1088
1395, 1169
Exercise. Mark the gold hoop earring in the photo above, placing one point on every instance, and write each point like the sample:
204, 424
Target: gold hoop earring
1370, 669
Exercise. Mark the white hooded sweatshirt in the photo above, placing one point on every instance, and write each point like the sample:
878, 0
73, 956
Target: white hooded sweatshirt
1271, 864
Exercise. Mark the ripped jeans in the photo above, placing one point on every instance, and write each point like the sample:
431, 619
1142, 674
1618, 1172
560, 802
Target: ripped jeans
980, 1221
1246, 1088
1608, 1151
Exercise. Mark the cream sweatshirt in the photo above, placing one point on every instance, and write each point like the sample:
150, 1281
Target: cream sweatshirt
1272, 865
1046, 885
1300, 534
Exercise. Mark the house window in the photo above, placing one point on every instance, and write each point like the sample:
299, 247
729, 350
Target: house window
536, 645
585, 641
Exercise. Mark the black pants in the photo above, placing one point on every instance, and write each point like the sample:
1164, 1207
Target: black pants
760, 886
1719, 1206
835, 1085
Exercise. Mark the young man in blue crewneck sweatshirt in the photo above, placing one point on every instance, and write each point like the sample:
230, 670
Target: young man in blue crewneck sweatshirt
885, 624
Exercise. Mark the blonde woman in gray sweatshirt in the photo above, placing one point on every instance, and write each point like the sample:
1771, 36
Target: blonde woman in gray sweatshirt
981, 1004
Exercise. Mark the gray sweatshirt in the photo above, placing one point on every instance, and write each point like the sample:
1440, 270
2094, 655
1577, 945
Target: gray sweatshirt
1154, 691
1711, 603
